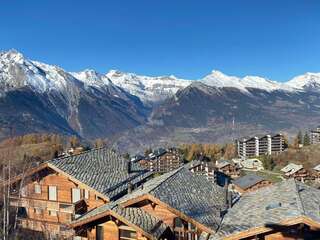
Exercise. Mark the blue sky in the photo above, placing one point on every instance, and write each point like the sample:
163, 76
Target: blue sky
275, 39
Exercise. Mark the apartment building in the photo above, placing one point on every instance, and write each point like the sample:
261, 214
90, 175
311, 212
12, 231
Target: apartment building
260, 145
315, 136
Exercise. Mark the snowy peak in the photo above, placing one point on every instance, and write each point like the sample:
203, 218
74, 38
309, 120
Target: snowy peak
16, 71
92, 78
307, 81
148, 89
219, 79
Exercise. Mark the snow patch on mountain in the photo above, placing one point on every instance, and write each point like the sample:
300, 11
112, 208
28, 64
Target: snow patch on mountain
219, 79
307, 81
148, 89
92, 78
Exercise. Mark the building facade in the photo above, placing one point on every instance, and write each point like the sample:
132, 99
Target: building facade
53, 194
315, 136
162, 160
260, 145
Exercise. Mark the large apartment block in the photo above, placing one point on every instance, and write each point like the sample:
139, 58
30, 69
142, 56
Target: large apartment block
260, 145
315, 136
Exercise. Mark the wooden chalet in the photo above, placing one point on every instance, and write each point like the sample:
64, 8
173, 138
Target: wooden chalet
162, 160
176, 205
228, 168
249, 183
287, 210
56, 192
297, 172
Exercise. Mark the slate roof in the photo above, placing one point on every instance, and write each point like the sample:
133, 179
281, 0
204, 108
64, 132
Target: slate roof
135, 216
317, 168
103, 170
271, 205
221, 164
248, 181
191, 194
291, 168
251, 163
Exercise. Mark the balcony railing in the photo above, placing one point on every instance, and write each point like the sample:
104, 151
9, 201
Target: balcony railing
79, 207
45, 227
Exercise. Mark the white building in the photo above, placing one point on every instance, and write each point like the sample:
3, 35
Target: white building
260, 145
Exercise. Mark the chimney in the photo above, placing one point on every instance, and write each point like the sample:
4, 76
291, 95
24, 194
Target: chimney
129, 167
130, 187
230, 199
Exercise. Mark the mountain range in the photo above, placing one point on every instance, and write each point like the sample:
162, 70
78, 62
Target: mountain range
134, 110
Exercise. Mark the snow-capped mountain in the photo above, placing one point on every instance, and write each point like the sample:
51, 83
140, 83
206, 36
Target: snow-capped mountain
39, 97
148, 89
220, 80
308, 81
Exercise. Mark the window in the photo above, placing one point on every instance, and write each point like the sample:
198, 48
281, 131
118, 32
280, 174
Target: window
76, 196
52, 193
178, 223
86, 193
127, 233
99, 233
37, 211
52, 213
37, 188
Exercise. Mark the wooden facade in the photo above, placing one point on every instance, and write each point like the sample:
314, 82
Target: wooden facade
261, 184
230, 170
300, 175
165, 162
49, 201
110, 227
180, 226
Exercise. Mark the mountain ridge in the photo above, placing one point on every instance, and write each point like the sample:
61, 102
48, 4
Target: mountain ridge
38, 97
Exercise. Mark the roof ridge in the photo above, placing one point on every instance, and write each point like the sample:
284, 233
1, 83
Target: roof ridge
170, 175
81, 153
299, 200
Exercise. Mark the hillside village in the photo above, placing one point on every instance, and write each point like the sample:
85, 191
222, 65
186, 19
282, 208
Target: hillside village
189, 192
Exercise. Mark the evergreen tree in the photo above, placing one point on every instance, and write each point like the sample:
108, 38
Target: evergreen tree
300, 137
306, 139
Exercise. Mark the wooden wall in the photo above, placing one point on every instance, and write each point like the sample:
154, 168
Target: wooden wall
261, 184
39, 207
160, 212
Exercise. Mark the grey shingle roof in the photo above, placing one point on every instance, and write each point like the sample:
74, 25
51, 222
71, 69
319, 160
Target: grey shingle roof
103, 170
271, 205
135, 216
191, 194
248, 181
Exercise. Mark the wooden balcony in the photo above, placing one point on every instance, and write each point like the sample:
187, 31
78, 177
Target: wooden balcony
79, 207
46, 227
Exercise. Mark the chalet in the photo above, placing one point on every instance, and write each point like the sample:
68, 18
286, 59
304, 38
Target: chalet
249, 183
163, 160
295, 171
228, 168
252, 164
285, 210
56, 192
176, 205
316, 172
260, 145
